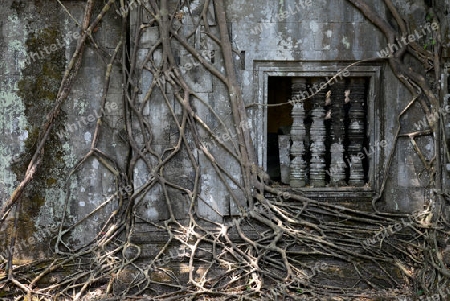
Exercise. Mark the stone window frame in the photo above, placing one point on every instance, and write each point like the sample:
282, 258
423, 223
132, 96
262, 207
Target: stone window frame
262, 70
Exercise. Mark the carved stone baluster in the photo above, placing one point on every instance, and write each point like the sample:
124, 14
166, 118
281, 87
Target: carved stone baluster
318, 132
298, 133
335, 114
355, 95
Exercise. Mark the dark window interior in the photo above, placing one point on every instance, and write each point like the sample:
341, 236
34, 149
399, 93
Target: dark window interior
280, 121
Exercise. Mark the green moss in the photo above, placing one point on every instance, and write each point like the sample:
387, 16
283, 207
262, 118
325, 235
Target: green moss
38, 90
51, 181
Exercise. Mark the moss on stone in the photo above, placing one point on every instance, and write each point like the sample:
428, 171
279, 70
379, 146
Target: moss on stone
38, 90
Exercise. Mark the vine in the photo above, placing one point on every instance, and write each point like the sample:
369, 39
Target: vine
298, 240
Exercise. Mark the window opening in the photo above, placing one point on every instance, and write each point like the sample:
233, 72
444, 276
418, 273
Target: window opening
279, 122
320, 141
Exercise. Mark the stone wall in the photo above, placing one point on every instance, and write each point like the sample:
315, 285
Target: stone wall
286, 37
37, 39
